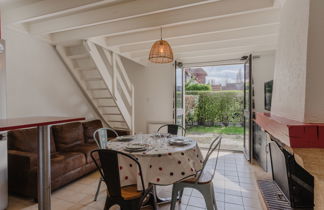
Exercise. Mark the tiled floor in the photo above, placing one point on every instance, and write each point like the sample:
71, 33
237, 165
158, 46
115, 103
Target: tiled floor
234, 185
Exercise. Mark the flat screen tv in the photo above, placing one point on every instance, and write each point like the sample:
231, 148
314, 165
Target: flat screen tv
268, 95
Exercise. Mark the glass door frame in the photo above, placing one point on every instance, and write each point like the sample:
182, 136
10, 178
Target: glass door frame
247, 110
182, 96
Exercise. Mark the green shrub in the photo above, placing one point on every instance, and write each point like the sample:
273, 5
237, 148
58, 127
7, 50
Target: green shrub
217, 107
198, 87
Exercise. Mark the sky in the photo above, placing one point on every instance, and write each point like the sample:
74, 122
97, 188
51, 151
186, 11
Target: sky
223, 74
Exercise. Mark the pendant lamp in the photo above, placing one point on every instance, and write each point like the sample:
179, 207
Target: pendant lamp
161, 52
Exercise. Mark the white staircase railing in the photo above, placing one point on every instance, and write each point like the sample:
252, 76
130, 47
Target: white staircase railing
113, 78
117, 80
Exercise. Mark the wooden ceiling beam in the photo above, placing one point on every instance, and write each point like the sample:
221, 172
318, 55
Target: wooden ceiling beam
109, 14
221, 45
225, 16
48, 9
206, 38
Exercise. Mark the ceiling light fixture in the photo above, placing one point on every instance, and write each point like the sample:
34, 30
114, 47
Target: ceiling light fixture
161, 52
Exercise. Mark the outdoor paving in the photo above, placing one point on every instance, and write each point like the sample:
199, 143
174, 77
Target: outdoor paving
229, 142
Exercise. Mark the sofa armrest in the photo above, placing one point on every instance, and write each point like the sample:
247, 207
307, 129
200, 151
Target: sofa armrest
19, 161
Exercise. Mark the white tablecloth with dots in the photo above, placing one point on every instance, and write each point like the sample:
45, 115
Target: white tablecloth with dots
162, 163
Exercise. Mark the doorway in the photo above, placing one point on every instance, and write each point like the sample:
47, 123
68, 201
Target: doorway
212, 103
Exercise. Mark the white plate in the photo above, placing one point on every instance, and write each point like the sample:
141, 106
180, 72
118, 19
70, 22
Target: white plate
135, 150
179, 141
135, 146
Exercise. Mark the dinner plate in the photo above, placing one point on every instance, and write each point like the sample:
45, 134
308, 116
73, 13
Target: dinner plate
179, 141
136, 147
135, 150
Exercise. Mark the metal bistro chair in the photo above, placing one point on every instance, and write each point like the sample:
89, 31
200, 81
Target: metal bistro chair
202, 181
127, 197
173, 129
102, 133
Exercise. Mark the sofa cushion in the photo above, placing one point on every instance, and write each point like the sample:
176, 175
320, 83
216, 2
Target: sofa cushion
64, 162
26, 140
86, 149
68, 135
89, 128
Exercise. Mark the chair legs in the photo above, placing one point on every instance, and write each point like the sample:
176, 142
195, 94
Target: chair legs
98, 189
124, 204
207, 190
180, 196
214, 199
175, 191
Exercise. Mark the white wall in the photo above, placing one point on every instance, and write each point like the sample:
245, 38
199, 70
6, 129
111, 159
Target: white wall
154, 88
263, 69
314, 110
38, 84
290, 68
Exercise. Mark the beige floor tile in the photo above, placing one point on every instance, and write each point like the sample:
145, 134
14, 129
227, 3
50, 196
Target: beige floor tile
70, 196
229, 183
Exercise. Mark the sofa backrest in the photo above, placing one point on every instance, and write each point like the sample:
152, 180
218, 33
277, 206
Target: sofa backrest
26, 140
68, 135
89, 128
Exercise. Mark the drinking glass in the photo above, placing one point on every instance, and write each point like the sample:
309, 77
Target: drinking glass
139, 138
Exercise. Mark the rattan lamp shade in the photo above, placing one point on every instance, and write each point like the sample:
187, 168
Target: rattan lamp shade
161, 52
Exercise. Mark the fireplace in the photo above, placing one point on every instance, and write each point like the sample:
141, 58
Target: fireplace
295, 182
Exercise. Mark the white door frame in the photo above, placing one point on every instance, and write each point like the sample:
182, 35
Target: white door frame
3, 142
3, 81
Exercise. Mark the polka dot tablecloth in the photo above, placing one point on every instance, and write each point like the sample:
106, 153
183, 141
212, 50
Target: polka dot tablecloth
161, 164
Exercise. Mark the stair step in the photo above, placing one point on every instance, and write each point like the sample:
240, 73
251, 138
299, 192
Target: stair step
121, 121
102, 97
121, 128
97, 89
78, 56
111, 114
93, 79
87, 69
107, 106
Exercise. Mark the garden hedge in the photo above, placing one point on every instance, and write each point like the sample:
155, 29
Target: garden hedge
214, 107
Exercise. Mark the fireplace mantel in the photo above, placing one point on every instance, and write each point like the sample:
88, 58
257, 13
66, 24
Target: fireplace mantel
292, 133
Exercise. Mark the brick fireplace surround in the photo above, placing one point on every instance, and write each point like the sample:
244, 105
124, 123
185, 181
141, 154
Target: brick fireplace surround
305, 141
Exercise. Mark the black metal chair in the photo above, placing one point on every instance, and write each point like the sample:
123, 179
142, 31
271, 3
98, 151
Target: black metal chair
173, 129
127, 197
100, 136
202, 180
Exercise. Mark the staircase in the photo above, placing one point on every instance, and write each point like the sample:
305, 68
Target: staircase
104, 81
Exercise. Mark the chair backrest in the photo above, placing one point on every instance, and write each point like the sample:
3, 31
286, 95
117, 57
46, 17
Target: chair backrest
214, 146
173, 129
101, 136
109, 169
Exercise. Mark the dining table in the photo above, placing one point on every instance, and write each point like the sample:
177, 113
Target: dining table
162, 162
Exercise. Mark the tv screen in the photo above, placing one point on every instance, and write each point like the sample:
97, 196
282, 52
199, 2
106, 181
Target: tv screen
268, 95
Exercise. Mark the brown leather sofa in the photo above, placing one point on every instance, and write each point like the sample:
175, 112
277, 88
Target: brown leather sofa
71, 145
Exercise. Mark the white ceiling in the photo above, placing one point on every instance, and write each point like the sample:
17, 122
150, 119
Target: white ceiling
198, 30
